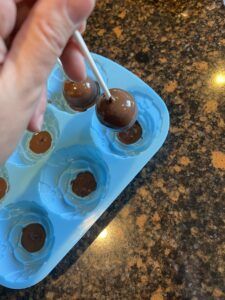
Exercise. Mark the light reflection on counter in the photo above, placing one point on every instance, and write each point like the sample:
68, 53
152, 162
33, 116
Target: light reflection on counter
218, 79
112, 238
185, 14
103, 234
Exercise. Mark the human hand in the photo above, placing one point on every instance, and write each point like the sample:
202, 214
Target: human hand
43, 31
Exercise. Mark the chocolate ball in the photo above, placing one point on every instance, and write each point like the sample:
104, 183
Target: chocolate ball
33, 237
131, 135
3, 187
81, 95
84, 184
119, 112
40, 142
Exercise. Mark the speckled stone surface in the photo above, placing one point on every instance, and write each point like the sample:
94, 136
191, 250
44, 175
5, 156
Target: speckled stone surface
164, 238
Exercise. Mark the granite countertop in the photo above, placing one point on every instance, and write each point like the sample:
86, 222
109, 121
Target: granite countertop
164, 237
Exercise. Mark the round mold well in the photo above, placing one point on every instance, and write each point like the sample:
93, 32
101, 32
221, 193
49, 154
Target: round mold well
56, 81
149, 119
5, 178
26, 155
23, 214
63, 167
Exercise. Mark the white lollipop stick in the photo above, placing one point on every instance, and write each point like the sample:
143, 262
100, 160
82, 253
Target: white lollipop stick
91, 62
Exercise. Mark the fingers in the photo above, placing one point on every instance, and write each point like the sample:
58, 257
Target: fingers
7, 22
23, 9
37, 119
82, 27
43, 37
73, 62
7, 17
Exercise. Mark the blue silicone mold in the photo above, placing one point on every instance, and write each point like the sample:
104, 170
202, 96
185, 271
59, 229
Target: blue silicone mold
40, 185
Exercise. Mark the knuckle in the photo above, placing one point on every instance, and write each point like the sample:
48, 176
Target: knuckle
52, 36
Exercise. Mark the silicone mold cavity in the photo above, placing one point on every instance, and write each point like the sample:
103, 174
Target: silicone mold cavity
13, 218
62, 168
50, 125
5, 176
150, 119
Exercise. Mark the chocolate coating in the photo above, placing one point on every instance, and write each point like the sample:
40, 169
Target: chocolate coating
81, 95
119, 112
132, 135
84, 184
3, 187
41, 142
33, 237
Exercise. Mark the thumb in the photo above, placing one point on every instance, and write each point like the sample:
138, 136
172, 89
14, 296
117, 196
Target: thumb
42, 38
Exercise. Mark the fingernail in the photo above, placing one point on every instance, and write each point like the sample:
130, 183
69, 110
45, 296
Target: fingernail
40, 123
82, 27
